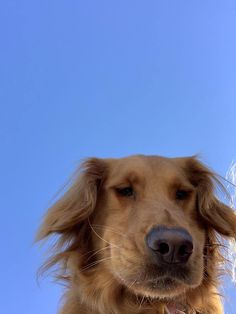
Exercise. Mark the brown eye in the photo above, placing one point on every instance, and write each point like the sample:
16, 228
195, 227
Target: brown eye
127, 191
181, 194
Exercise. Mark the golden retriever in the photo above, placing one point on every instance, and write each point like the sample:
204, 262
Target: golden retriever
140, 234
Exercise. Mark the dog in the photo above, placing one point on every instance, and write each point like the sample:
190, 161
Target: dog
140, 234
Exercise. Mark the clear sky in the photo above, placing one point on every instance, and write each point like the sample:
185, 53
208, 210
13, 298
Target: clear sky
103, 78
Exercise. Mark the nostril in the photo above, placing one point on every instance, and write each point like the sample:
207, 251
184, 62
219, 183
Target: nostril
163, 248
185, 249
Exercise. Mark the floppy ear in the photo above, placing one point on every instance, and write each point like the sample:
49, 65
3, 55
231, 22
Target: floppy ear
79, 201
218, 215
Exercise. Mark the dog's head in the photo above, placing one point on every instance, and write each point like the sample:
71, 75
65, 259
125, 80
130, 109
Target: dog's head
148, 221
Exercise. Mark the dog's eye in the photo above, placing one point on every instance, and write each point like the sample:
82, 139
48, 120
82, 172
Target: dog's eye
127, 191
181, 194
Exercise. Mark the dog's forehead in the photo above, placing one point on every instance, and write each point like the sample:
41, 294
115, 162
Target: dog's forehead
144, 166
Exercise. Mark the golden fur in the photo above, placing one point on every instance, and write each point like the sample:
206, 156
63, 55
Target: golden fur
100, 248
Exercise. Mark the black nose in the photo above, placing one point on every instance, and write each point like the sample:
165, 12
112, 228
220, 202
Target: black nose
170, 245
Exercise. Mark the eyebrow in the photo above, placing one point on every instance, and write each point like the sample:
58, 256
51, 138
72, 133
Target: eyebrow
130, 177
184, 183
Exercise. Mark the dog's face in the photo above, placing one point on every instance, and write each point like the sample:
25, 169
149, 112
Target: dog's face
147, 220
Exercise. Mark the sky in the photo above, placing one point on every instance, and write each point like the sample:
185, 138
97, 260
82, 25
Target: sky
103, 78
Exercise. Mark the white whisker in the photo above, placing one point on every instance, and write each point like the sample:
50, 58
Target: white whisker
96, 262
98, 251
110, 229
112, 244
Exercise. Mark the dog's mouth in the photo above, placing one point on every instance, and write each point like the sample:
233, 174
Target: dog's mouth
163, 287
157, 282
163, 283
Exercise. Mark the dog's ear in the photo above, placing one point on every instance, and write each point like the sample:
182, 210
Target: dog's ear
78, 202
215, 213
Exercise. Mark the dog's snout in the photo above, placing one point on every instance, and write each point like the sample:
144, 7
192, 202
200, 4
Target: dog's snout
170, 245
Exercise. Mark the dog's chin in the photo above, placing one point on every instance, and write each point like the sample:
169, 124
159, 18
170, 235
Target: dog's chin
161, 288
165, 287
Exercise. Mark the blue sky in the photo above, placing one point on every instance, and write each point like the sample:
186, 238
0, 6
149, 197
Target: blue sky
103, 78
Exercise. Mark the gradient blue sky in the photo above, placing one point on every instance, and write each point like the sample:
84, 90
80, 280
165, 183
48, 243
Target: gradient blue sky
103, 78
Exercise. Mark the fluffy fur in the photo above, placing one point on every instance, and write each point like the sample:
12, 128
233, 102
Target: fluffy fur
99, 234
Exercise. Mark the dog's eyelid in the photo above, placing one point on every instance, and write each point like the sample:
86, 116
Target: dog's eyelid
183, 193
120, 186
186, 189
126, 191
